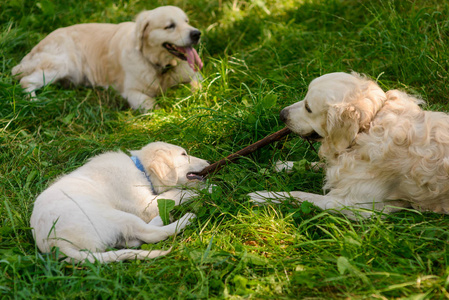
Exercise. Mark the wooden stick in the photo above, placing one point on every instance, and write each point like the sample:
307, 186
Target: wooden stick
245, 151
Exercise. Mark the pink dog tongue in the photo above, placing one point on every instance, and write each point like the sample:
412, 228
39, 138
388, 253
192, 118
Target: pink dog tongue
192, 58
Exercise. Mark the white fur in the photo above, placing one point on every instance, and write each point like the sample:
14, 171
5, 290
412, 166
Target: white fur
109, 202
128, 56
381, 150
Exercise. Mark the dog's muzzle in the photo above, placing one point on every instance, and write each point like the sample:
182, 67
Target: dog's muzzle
312, 136
195, 36
283, 115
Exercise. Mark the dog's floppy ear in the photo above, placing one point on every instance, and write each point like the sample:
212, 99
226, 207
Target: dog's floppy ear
142, 27
161, 165
368, 98
342, 125
345, 120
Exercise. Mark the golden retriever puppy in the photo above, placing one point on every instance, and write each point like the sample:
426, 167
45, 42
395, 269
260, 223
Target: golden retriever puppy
381, 150
139, 59
112, 202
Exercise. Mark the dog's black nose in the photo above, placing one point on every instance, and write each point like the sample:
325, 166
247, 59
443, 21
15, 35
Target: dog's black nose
195, 36
283, 115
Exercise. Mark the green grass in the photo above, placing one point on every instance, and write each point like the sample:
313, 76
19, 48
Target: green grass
259, 57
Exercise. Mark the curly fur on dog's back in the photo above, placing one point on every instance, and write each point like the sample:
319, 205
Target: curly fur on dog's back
405, 140
402, 147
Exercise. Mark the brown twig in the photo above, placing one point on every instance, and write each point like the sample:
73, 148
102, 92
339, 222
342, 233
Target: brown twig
245, 151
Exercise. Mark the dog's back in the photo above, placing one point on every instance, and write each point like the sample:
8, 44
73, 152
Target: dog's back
79, 211
79, 53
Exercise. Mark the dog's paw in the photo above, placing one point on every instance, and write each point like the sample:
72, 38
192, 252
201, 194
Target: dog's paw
284, 166
317, 166
189, 216
185, 221
210, 188
291, 166
205, 187
263, 197
195, 86
187, 195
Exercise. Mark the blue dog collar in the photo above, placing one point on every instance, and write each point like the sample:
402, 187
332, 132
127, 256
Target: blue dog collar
139, 166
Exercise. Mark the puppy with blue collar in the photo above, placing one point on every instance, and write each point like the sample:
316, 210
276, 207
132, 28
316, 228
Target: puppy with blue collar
111, 202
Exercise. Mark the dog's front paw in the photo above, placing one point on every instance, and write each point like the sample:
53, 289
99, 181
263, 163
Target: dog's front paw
187, 195
195, 86
185, 221
263, 197
284, 166
211, 188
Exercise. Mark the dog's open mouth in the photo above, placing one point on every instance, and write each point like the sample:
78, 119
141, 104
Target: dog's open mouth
185, 53
193, 176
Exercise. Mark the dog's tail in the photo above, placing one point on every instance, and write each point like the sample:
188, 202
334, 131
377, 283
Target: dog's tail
111, 256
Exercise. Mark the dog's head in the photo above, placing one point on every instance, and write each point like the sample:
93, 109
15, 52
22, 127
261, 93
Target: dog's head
164, 33
168, 165
335, 109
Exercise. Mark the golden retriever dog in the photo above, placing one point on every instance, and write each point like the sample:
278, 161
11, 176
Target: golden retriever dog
139, 59
112, 202
382, 152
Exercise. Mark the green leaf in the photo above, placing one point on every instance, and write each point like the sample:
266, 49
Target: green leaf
306, 207
67, 119
246, 102
343, 265
301, 166
165, 206
47, 7
30, 178
255, 259
240, 285
269, 101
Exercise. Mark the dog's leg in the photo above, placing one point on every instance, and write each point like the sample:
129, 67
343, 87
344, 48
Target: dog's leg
183, 73
288, 166
195, 82
139, 100
178, 195
323, 202
153, 233
320, 201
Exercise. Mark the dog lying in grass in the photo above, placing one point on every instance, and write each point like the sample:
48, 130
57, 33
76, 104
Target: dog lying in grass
381, 150
139, 59
112, 202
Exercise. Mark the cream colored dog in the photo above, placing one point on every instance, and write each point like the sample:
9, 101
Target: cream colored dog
381, 150
139, 59
112, 202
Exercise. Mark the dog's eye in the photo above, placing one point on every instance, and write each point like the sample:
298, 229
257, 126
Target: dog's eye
184, 154
171, 26
306, 105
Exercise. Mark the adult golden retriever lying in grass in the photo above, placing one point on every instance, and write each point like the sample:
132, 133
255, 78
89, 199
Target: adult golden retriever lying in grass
112, 202
139, 59
381, 150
